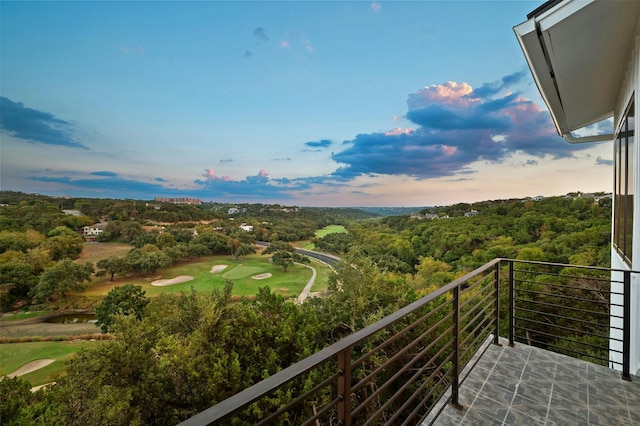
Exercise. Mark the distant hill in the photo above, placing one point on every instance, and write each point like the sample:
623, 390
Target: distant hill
353, 213
391, 211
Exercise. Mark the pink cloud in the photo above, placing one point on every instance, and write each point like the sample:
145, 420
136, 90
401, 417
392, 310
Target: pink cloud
262, 173
284, 44
449, 93
375, 6
449, 150
210, 175
399, 131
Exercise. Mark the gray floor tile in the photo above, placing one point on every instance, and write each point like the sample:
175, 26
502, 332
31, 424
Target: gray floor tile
568, 415
529, 386
515, 418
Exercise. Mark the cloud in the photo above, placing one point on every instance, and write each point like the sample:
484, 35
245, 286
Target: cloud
324, 143
281, 159
209, 187
285, 44
104, 173
35, 126
493, 88
261, 34
247, 54
259, 186
111, 185
226, 160
457, 125
375, 6
603, 161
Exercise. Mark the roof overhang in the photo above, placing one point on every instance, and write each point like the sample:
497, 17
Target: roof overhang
578, 51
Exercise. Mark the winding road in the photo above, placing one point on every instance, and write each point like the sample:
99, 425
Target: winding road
322, 257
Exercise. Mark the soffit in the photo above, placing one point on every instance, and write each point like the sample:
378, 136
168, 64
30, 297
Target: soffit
578, 52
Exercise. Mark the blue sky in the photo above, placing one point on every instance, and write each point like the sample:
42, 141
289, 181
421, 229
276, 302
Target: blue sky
326, 103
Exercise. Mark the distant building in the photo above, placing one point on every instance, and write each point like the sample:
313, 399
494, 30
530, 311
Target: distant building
94, 230
182, 200
472, 213
428, 216
233, 210
72, 212
246, 228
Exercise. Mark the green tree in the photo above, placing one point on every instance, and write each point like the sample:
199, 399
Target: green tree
60, 279
148, 261
239, 248
17, 278
15, 395
128, 299
284, 255
112, 266
21, 241
165, 240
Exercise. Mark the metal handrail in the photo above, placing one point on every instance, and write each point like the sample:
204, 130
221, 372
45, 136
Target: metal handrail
460, 334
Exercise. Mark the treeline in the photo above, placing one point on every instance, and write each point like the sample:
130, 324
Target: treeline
187, 352
39, 241
555, 229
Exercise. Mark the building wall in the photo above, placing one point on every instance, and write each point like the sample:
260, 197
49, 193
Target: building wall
630, 88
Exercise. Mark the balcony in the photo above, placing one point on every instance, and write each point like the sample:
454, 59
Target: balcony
563, 358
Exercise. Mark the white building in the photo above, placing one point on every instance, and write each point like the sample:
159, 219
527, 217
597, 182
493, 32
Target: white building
585, 59
94, 230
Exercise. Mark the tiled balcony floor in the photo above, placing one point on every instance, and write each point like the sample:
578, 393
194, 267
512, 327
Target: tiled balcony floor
524, 385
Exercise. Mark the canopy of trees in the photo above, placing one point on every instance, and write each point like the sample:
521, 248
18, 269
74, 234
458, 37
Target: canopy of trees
175, 355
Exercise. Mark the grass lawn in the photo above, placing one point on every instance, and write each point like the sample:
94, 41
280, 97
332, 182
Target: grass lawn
331, 229
288, 284
15, 355
23, 315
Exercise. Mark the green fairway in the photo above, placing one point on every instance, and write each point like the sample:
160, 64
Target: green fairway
331, 229
15, 355
247, 273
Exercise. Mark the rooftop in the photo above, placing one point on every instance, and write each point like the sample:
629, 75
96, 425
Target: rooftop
528, 385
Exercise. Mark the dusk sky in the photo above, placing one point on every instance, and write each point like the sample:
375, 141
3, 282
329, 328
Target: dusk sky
324, 103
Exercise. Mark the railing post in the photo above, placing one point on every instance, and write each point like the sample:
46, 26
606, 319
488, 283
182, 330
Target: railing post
626, 327
344, 387
455, 382
511, 302
496, 278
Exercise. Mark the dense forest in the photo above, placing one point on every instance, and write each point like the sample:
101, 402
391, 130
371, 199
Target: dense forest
175, 355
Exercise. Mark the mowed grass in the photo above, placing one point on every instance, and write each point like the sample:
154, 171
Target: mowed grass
15, 355
23, 315
331, 229
241, 272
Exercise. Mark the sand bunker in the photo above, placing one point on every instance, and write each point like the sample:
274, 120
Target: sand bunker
177, 280
217, 268
261, 276
31, 366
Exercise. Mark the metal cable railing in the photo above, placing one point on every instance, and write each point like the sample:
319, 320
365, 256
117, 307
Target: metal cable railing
397, 369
